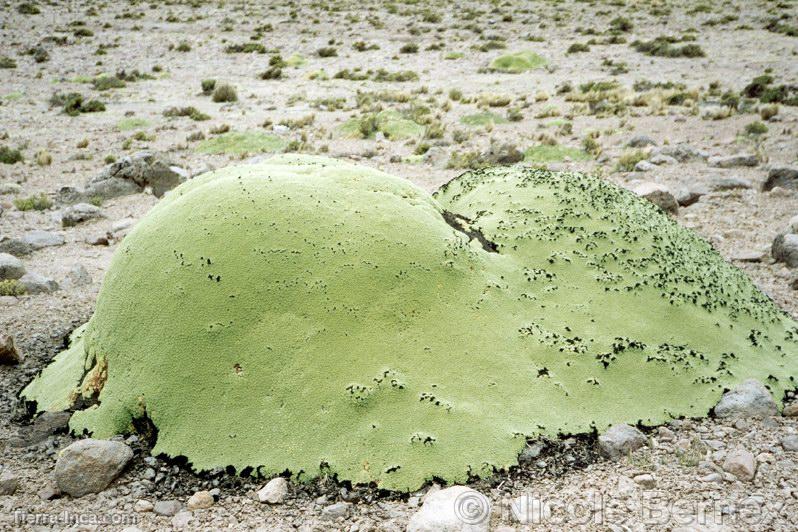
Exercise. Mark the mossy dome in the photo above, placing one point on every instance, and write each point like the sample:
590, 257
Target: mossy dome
313, 316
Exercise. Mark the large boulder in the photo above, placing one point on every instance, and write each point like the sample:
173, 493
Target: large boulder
748, 400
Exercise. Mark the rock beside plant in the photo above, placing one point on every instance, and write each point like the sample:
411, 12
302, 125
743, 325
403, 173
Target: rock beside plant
89, 466
748, 400
455, 509
620, 440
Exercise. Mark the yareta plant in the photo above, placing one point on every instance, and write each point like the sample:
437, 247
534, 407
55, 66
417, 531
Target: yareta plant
312, 316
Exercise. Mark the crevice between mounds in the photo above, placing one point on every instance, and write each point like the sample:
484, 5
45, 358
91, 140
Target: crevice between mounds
463, 225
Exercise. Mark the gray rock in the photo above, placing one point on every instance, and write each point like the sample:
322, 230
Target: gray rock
8, 483
274, 492
38, 239
143, 506
181, 520
646, 481
741, 464
10, 188
729, 183
79, 213
686, 196
110, 188
14, 246
644, 166
143, 169
49, 492
44, 426
335, 511
89, 466
620, 440
792, 225
8, 351
641, 141
682, 153
168, 508
454, 509
785, 249
661, 159
38, 284
733, 161
783, 177
78, 275
748, 400
657, 194
10, 267
436, 156
530, 453
790, 442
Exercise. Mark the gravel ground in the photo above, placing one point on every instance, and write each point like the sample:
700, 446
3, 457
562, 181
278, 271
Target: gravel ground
689, 488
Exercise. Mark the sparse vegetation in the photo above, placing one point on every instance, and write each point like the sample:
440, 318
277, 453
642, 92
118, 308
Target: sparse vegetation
12, 287
37, 202
10, 155
666, 47
224, 93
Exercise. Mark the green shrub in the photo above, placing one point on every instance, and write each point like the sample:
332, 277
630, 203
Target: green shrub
10, 155
189, 111
664, 47
327, 51
224, 93
207, 86
12, 287
37, 202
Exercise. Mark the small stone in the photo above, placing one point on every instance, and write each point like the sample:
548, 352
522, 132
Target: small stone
504, 153
121, 225
660, 159
200, 500
81, 212
646, 481
712, 477
733, 161
10, 267
741, 464
719, 184
181, 520
657, 194
334, 511
620, 440
529, 510
89, 466
49, 492
38, 239
686, 196
785, 249
782, 177
274, 492
9, 355
665, 434
98, 240
644, 166
791, 410
38, 284
8, 483
77, 276
641, 141
167, 508
142, 506
749, 399
454, 509
790, 442
530, 452
44, 426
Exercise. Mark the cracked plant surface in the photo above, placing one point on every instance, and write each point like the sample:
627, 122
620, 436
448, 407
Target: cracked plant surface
308, 315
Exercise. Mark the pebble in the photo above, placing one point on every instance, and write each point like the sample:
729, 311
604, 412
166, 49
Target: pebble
334, 511
733, 161
740, 463
38, 284
167, 508
79, 213
142, 506
9, 355
791, 410
200, 500
646, 481
790, 442
8, 483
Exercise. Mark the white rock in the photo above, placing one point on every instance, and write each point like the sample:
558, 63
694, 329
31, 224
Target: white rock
199, 501
455, 509
274, 492
142, 506
749, 399
181, 520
